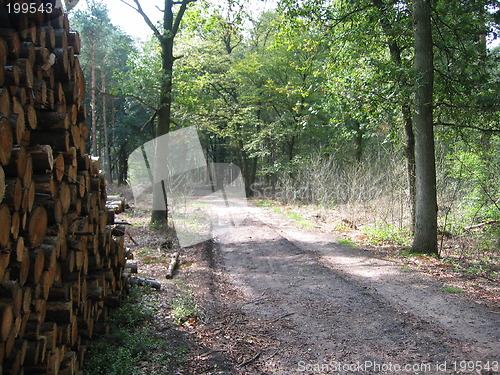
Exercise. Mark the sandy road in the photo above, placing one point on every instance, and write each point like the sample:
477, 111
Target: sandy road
337, 310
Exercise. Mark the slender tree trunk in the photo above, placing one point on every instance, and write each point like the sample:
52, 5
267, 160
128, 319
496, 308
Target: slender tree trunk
160, 203
410, 160
92, 95
166, 38
425, 239
107, 164
358, 141
113, 167
395, 52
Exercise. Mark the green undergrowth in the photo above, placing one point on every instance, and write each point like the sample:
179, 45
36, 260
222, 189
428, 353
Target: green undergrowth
346, 242
131, 340
385, 233
183, 309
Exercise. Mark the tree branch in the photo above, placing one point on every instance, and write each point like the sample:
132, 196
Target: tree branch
179, 15
127, 96
440, 123
144, 15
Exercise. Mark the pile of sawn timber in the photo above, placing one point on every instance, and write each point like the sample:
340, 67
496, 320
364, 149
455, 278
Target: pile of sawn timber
61, 264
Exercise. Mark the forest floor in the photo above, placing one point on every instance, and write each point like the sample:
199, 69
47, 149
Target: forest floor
275, 296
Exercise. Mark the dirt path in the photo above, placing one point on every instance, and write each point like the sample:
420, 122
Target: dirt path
277, 298
312, 306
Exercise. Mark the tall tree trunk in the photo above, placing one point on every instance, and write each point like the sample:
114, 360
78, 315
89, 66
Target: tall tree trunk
113, 139
410, 160
425, 235
160, 203
166, 38
107, 164
395, 53
92, 95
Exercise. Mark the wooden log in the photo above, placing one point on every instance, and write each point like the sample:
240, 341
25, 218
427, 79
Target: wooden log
59, 167
17, 111
6, 319
29, 194
61, 38
42, 57
61, 67
17, 124
134, 280
30, 116
14, 228
52, 120
42, 158
28, 172
74, 41
4, 101
45, 185
2, 184
131, 267
11, 293
20, 250
39, 92
6, 141
27, 51
37, 226
5, 223
13, 41
35, 352
4, 264
3, 52
59, 21
37, 258
12, 76
58, 139
60, 312
22, 95
65, 196
46, 37
25, 73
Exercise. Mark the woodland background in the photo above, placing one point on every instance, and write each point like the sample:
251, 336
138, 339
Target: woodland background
313, 101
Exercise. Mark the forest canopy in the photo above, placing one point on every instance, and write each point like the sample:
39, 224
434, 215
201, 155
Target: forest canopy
316, 100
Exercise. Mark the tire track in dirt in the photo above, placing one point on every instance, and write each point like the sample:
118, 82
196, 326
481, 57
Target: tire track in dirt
325, 316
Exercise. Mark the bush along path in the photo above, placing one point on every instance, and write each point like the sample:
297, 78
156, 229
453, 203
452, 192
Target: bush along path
272, 297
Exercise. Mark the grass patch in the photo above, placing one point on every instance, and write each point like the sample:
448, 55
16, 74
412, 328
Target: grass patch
305, 223
183, 309
299, 219
131, 341
451, 289
346, 242
277, 210
381, 234
262, 202
294, 216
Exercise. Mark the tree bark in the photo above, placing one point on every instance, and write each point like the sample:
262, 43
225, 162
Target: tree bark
171, 25
425, 235
107, 163
92, 95
395, 53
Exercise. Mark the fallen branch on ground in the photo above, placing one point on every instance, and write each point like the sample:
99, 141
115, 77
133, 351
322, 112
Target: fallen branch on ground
482, 224
173, 264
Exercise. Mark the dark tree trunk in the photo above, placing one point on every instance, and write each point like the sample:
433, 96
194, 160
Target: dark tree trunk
395, 52
107, 164
425, 239
92, 95
171, 25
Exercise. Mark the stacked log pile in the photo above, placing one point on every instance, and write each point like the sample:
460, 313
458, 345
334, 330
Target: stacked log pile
61, 264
